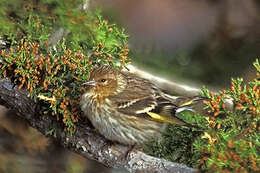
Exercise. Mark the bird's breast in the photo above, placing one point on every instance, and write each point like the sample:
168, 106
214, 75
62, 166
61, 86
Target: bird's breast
117, 126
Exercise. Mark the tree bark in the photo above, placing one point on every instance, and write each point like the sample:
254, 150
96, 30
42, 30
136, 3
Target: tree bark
85, 141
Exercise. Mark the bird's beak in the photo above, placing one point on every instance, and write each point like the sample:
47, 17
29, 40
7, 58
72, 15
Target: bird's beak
90, 83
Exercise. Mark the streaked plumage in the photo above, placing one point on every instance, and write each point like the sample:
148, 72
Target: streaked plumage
126, 108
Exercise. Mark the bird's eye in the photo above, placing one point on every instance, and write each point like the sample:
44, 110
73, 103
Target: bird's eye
103, 80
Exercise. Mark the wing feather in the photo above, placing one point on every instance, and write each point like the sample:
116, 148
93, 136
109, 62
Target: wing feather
142, 99
137, 106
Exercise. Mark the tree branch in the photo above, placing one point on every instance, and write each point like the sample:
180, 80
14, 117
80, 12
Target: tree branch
85, 141
173, 87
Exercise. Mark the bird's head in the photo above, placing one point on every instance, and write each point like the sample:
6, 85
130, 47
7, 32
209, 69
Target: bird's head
105, 81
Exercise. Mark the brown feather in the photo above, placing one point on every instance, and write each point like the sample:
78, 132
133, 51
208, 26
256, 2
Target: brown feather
120, 108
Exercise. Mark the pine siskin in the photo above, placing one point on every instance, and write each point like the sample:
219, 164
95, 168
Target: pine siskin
126, 108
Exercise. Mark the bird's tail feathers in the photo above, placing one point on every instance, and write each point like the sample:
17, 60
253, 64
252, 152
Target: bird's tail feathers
184, 108
188, 103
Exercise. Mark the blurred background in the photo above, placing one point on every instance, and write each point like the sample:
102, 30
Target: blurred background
203, 42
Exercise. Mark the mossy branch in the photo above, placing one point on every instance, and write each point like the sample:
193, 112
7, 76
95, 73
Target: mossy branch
85, 141
42, 83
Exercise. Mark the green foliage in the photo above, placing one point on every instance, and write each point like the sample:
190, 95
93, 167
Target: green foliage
176, 142
54, 75
231, 143
229, 137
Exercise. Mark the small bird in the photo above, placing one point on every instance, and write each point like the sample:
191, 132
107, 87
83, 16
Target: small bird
128, 109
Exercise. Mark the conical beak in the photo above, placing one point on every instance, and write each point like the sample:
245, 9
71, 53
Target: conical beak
90, 83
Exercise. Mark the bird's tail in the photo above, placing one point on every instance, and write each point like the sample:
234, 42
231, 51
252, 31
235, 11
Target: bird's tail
193, 104
169, 113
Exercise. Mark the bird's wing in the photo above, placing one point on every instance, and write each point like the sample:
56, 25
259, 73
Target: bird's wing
166, 111
145, 100
134, 102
